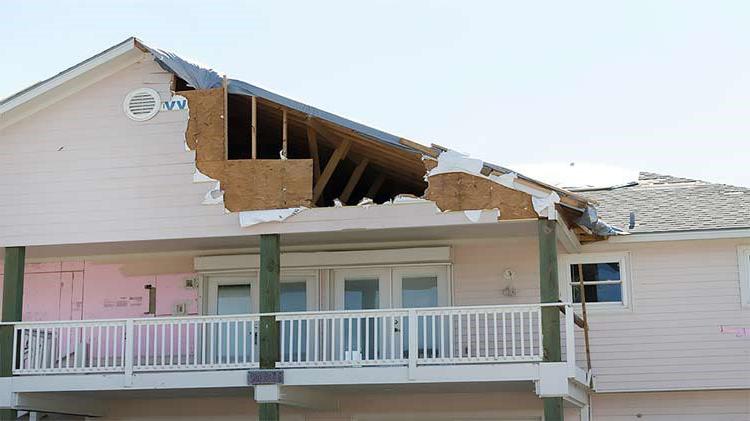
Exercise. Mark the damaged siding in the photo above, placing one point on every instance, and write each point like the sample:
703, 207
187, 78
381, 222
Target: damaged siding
248, 184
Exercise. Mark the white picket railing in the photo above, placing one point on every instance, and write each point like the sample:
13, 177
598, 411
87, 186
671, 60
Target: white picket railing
395, 337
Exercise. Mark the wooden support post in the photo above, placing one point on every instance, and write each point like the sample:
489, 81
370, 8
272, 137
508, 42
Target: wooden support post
270, 298
549, 292
254, 126
15, 258
353, 180
312, 143
331, 165
585, 316
375, 187
283, 134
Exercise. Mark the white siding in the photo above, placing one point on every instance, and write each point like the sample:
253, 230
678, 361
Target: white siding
81, 171
725, 405
683, 292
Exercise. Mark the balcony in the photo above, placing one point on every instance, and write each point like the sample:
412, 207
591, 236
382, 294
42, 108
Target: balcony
500, 343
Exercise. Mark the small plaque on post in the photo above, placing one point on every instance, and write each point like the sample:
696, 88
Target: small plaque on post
269, 376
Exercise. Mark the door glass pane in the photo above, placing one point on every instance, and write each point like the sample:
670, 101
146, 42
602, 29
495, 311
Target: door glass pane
234, 299
294, 298
360, 294
422, 291
419, 291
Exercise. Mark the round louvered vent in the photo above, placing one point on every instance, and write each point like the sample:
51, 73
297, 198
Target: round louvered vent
142, 104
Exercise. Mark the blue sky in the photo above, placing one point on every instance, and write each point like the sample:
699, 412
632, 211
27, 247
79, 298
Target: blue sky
614, 87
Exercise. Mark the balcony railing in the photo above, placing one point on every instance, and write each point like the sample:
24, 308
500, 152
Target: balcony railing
392, 337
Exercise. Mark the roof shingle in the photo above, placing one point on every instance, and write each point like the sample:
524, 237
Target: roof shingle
664, 203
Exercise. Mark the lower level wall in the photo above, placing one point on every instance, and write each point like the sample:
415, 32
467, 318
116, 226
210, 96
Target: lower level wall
719, 405
477, 405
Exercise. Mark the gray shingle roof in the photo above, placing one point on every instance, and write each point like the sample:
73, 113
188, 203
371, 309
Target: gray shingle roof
664, 203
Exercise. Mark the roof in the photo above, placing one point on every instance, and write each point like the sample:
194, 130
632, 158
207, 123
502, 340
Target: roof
665, 203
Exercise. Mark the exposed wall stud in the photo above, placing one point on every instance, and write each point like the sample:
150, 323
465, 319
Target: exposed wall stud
254, 126
225, 85
284, 134
375, 187
312, 143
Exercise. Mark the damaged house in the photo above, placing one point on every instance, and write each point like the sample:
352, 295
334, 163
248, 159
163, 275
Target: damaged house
180, 244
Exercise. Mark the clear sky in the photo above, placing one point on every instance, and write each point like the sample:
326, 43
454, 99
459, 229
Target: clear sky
661, 86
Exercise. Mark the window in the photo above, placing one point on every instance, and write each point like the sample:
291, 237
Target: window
743, 254
604, 278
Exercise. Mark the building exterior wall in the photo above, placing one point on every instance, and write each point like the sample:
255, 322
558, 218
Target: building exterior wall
81, 171
683, 292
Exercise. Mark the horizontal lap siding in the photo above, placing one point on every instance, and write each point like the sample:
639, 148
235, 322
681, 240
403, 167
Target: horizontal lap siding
682, 293
673, 406
113, 179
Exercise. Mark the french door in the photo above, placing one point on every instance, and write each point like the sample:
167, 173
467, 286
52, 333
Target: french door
239, 294
380, 288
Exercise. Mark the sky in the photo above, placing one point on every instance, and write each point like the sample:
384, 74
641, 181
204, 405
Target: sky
611, 87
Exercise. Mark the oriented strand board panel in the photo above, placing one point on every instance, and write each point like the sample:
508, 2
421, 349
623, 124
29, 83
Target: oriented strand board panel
253, 184
458, 191
205, 132
248, 184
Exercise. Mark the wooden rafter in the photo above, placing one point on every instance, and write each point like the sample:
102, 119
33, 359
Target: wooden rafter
375, 187
312, 143
353, 180
331, 165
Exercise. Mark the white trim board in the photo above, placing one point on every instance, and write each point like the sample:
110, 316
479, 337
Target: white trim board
326, 259
743, 259
681, 236
70, 81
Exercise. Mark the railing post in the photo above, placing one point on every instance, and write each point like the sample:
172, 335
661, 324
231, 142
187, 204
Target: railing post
129, 344
413, 343
570, 347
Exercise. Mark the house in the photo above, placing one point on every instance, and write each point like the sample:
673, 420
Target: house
180, 244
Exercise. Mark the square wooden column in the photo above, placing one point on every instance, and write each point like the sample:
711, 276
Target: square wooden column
15, 258
270, 299
549, 292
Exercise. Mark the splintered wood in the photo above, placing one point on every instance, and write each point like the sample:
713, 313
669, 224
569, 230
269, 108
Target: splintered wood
457, 191
248, 184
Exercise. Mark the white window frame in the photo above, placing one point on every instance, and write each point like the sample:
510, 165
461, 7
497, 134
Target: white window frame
623, 258
310, 277
743, 259
439, 271
383, 274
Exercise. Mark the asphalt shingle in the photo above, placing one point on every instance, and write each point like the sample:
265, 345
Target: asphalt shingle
664, 203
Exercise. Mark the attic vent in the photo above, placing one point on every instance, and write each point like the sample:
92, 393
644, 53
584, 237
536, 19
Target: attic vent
142, 104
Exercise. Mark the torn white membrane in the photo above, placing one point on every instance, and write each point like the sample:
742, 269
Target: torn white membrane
473, 215
452, 161
199, 177
545, 206
250, 218
214, 196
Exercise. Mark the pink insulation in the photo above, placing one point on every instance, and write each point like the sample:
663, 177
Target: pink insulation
74, 290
